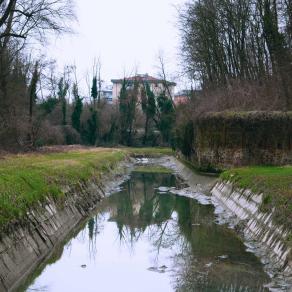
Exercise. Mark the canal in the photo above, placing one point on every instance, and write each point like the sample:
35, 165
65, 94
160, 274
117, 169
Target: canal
146, 238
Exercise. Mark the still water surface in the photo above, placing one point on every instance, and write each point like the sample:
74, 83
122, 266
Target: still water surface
141, 240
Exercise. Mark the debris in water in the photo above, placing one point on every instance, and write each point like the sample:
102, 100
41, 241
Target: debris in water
223, 257
158, 270
209, 265
163, 189
83, 266
143, 160
152, 269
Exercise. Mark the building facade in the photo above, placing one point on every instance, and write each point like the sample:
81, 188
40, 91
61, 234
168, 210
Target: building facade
107, 94
157, 85
182, 97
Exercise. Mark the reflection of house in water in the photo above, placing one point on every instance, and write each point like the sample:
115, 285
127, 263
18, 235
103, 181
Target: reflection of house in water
156, 85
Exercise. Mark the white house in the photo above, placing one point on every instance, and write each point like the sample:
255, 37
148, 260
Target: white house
107, 94
156, 85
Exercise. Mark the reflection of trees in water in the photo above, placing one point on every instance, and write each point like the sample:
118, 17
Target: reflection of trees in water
181, 224
139, 208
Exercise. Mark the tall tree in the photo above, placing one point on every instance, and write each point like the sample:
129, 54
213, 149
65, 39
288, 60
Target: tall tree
241, 40
93, 121
94, 90
33, 89
63, 87
77, 110
128, 99
20, 19
166, 117
148, 107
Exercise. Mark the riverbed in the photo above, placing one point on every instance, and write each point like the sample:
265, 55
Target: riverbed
147, 236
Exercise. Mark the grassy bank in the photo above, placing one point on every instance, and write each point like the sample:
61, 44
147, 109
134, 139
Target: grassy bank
274, 182
29, 178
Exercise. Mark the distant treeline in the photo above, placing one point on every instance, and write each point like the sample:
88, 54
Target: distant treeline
238, 55
39, 106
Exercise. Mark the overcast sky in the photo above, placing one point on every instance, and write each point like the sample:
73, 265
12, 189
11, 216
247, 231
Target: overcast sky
125, 34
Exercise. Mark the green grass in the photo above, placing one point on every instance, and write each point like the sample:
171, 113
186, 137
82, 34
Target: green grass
274, 182
30, 178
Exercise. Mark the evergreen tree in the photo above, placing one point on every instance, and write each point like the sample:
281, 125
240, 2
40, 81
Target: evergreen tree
123, 111
63, 87
93, 121
127, 107
92, 127
33, 89
166, 117
78, 107
94, 91
148, 107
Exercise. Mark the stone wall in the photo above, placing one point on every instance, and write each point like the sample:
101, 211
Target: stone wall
249, 138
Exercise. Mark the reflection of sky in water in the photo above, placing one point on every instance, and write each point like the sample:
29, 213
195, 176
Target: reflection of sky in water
114, 268
142, 241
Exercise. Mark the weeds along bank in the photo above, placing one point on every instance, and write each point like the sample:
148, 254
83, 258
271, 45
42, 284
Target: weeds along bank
44, 196
226, 139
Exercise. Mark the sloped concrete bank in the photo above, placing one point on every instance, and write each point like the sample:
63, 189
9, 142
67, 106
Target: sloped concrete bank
45, 226
241, 209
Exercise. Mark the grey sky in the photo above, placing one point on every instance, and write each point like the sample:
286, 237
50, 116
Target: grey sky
126, 34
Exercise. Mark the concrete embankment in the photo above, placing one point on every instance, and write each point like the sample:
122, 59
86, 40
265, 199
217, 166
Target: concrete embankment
241, 208
45, 226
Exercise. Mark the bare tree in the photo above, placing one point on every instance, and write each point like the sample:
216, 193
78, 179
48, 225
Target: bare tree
163, 76
242, 40
21, 19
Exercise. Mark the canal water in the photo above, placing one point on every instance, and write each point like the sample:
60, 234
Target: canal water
142, 239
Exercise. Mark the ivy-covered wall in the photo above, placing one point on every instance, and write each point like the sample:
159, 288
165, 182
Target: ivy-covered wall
227, 139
